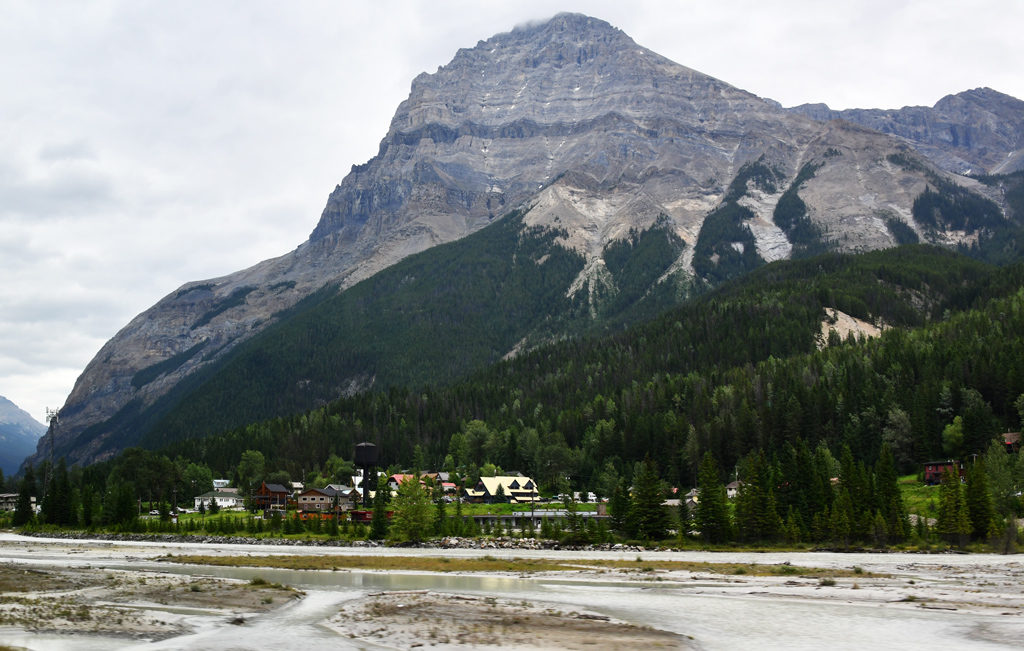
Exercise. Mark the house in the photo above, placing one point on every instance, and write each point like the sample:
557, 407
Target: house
395, 480
8, 501
224, 499
934, 470
271, 496
512, 489
219, 484
323, 500
732, 489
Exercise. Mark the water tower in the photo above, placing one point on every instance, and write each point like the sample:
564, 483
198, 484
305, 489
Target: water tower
366, 458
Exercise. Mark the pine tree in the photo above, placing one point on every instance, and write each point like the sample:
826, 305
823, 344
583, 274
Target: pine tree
648, 519
978, 499
379, 521
889, 497
756, 514
953, 522
712, 516
618, 507
440, 512
413, 516
23, 513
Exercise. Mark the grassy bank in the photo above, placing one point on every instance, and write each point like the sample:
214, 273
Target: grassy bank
489, 563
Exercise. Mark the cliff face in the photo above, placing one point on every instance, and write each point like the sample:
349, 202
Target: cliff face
978, 131
572, 121
19, 434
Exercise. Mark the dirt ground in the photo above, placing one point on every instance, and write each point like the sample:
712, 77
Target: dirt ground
440, 621
135, 604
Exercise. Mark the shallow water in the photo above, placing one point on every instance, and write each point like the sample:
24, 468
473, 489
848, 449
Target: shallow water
717, 615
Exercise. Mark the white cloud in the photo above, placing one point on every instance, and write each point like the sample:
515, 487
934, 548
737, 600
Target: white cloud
144, 145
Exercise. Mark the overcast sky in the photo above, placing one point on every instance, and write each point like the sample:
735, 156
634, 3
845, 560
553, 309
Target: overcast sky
146, 144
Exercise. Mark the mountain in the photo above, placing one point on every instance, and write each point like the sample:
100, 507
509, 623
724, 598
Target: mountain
979, 131
753, 364
585, 140
19, 435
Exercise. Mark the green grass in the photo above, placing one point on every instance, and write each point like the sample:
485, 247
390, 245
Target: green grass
490, 563
918, 497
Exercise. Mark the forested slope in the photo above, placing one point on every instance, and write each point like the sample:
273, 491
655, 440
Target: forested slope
735, 371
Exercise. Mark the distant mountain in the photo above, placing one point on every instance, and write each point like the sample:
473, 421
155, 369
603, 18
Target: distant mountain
19, 435
978, 131
643, 180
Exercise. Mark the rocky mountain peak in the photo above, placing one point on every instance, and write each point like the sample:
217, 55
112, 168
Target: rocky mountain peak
979, 131
584, 132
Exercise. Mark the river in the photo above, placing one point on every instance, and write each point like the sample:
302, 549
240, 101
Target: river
924, 601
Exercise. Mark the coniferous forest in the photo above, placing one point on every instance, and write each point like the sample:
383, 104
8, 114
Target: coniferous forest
742, 382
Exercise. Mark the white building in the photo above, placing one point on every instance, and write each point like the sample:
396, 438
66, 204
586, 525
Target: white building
224, 500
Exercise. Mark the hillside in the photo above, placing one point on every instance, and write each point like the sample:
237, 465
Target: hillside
19, 434
648, 180
736, 370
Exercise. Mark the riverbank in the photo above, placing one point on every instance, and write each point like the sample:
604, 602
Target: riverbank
130, 604
365, 597
470, 543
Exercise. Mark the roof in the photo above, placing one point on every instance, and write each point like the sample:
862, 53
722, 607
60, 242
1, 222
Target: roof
1010, 438
276, 488
220, 495
515, 486
326, 491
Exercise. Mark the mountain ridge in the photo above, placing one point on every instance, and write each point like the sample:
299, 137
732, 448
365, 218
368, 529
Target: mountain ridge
576, 123
19, 434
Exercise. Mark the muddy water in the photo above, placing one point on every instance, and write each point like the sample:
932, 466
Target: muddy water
715, 614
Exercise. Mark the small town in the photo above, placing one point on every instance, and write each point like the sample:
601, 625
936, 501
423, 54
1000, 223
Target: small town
482, 325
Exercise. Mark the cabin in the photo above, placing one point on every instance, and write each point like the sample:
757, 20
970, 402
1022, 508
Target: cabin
934, 470
271, 496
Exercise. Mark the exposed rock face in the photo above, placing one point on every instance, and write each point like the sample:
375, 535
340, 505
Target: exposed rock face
19, 434
979, 131
571, 119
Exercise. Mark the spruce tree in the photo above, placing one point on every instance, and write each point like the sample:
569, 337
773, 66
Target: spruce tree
413, 515
978, 499
57, 502
440, 511
756, 514
23, 512
618, 507
379, 521
888, 496
648, 519
712, 516
953, 522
